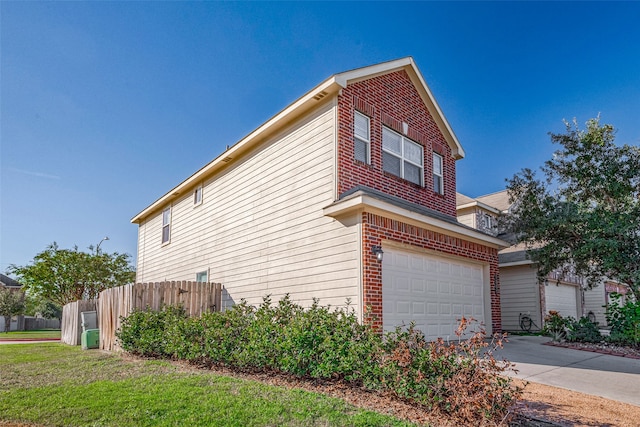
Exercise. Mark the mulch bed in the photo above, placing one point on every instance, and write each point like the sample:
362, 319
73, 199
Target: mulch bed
602, 348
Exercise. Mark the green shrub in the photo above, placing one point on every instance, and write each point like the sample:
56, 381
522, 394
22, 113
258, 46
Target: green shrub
583, 330
624, 320
461, 379
144, 332
555, 326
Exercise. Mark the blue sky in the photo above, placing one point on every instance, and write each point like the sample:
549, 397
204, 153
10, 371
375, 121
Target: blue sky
105, 106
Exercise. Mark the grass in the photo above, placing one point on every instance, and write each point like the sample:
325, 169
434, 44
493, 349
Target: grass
44, 333
57, 385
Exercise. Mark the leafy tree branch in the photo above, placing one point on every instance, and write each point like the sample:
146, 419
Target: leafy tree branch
66, 275
584, 211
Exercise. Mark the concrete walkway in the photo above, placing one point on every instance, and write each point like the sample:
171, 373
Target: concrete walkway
611, 377
27, 340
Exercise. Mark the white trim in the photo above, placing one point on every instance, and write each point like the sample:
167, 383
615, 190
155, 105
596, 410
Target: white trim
516, 263
168, 225
364, 202
440, 175
197, 202
312, 99
402, 156
367, 141
480, 205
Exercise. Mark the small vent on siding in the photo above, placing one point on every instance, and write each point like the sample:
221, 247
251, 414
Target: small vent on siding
226, 159
320, 95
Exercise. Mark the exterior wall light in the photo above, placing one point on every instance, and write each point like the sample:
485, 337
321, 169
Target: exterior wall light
377, 251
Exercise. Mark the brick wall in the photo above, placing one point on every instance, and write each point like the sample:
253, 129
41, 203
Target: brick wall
377, 228
390, 100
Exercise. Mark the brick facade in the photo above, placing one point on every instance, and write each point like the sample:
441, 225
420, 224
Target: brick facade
376, 228
391, 100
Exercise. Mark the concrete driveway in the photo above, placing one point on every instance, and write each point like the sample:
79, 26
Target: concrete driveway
611, 377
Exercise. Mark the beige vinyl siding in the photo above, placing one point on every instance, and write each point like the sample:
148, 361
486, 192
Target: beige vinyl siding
468, 219
260, 229
519, 293
594, 300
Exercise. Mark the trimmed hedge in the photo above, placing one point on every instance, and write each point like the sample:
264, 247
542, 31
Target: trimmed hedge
461, 379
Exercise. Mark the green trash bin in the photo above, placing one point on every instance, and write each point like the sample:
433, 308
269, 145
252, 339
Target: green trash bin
90, 339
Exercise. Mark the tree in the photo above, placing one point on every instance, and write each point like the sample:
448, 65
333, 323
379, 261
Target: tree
11, 304
66, 275
585, 213
35, 305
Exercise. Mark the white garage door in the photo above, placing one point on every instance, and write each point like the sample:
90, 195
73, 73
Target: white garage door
561, 298
433, 292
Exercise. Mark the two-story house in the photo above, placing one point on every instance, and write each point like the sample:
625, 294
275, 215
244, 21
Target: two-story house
349, 193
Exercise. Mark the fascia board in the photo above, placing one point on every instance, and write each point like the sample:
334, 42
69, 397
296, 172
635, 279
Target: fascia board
516, 263
409, 65
480, 205
273, 125
373, 205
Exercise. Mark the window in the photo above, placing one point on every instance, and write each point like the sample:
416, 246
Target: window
166, 225
201, 277
401, 156
438, 186
197, 196
362, 141
489, 221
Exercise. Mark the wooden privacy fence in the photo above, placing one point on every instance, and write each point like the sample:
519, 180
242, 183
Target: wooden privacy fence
114, 303
71, 325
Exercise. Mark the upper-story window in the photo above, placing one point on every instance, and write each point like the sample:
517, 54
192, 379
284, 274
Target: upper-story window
166, 225
488, 221
438, 184
197, 196
362, 140
402, 157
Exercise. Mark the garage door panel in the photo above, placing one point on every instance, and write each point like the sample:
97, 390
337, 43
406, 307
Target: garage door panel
432, 287
561, 298
443, 268
443, 287
441, 292
418, 286
456, 309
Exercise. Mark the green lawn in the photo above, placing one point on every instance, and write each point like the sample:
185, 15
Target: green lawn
57, 385
44, 333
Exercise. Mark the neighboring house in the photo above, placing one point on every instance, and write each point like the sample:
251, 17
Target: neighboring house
521, 292
17, 322
349, 193
597, 299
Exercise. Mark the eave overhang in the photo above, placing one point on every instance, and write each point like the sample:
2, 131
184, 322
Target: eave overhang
362, 202
312, 99
479, 205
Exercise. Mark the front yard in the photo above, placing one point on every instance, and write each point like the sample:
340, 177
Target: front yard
31, 335
54, 385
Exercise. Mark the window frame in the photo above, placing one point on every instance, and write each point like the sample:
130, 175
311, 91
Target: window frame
367, 142
439, 176
166, 225
202, 273
198, 191
488, 221
403, 159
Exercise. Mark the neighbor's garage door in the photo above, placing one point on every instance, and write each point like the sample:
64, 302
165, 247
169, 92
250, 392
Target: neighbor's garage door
561, 298
434, 292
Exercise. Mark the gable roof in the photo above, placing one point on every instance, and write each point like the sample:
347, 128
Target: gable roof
8, 282
463, 202
499, 200
328, 88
